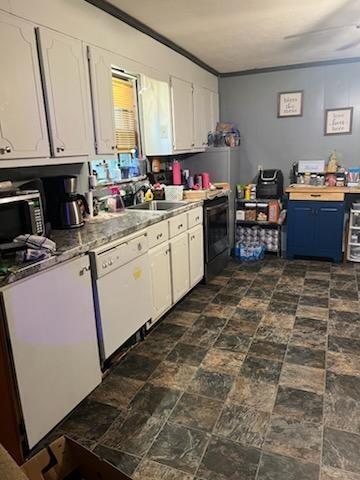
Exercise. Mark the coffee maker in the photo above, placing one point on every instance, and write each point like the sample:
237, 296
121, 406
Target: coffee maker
63, 205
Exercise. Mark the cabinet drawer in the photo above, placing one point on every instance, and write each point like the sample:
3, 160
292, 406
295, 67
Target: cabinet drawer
158, 233
195, 217
177, 225
318, 196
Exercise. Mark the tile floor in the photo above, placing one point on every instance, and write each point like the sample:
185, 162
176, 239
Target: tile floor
255, 376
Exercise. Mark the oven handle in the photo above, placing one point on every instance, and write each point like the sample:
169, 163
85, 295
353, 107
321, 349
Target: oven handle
217, 208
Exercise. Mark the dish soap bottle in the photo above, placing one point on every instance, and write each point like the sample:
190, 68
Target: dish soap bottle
149, 195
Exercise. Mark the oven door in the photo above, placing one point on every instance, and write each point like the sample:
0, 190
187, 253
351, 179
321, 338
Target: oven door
216, 229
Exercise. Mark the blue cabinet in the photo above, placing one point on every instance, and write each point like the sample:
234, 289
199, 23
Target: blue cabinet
315, 229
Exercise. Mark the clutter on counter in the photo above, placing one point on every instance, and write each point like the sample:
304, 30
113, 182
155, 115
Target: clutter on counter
226, 134
317, 173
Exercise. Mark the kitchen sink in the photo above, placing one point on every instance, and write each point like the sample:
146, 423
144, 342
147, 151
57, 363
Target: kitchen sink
156, 205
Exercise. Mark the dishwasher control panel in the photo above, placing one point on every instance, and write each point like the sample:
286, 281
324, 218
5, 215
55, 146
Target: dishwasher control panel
119, 255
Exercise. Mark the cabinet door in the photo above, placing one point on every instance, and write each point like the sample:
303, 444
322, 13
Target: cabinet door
199, 116
214, 110
209, 124
23, 131
102, 100
203, 116
52, 331
182, 114
179, 249
63, 69
196, 255
300, 230
155, 113
329, 227
161, 279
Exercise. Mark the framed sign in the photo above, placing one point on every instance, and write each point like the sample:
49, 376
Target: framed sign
338, 121
290, 104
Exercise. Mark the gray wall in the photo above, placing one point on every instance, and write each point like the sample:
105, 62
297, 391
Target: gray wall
251, 102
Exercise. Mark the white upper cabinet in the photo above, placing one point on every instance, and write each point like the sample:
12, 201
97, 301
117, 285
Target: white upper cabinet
102, 100
214, 109
203, 116
199, 112
63, 69
23, 132
155, 109
182, 113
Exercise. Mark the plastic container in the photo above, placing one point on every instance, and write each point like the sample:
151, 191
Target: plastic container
174, 193
205, 181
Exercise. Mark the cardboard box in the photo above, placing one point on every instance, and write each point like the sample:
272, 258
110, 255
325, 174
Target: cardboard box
64, 459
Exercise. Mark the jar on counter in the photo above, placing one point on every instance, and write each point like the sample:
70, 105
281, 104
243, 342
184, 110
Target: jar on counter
313, 179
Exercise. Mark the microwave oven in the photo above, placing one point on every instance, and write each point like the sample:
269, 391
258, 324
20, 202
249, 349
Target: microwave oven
20, 213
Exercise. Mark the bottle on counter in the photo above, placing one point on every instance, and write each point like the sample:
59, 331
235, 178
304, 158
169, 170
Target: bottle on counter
176, 169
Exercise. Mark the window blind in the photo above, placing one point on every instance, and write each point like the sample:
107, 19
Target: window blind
124, 114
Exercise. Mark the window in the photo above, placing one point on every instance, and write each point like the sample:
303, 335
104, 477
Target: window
125, 113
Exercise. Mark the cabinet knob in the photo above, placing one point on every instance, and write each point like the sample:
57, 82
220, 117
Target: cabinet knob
193, 144
180, 226
60, 149
113, 147
4, 150
158, 236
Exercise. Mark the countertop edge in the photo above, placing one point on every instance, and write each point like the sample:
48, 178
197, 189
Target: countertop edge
84, 247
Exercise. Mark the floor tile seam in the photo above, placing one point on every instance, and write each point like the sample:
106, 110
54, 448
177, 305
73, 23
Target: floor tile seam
117, 450
324, 396
293, 457
166, 418
144, 459
112, 423
219, 415
266, 434
342, 430
281, 455
202, 456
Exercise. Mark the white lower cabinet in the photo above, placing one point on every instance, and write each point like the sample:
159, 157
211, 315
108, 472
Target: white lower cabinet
161, 279
179, 253
196, 255
176, 263
52, 330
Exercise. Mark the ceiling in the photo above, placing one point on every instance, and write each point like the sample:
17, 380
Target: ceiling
248, 34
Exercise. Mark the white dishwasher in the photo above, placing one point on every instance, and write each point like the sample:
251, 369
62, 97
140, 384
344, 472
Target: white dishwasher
122, 290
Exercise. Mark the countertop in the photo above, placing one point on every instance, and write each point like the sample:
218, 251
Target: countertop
75, 242
311, 189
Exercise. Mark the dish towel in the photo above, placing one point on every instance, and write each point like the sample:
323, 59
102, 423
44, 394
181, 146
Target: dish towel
37, 247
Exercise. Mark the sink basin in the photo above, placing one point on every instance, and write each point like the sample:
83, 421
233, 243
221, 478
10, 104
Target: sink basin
157, 205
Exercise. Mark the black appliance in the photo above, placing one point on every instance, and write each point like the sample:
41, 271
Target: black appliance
165, 177
270, 184
37, 184
63, 204
216, 236
21, 213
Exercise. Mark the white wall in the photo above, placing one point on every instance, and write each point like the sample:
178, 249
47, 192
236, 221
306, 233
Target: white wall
140, 53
